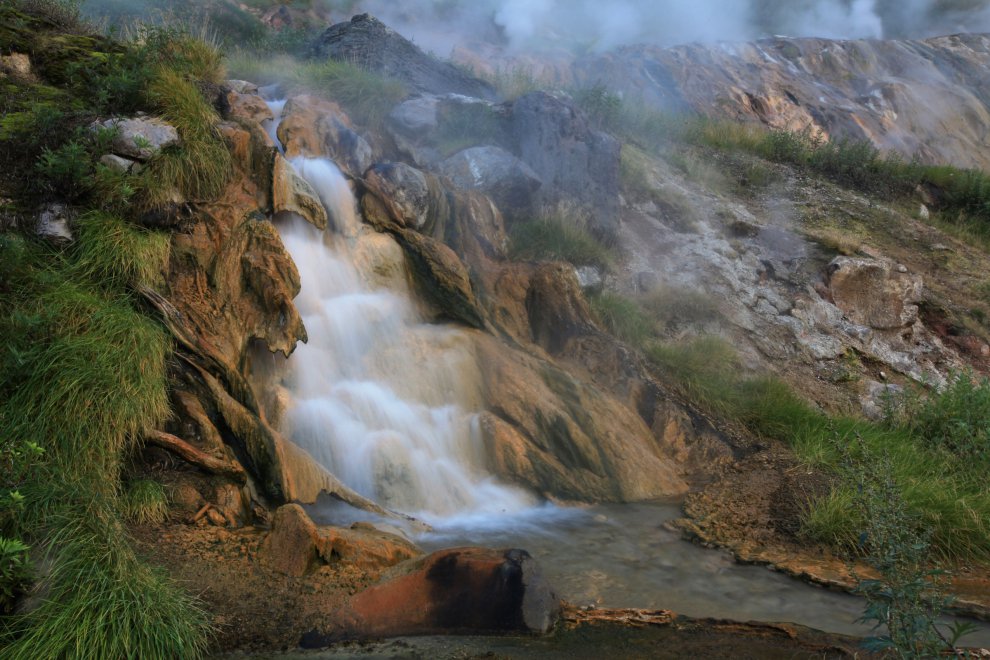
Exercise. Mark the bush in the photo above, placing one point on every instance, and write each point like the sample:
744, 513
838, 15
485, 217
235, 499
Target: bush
956, 419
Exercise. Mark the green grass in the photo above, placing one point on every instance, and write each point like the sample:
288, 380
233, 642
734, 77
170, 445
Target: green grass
559, 234
117, 252
623, 317
945, 490
145, 502
365, 96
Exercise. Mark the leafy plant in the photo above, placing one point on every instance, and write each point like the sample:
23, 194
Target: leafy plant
956, 418
907, 599
15, 572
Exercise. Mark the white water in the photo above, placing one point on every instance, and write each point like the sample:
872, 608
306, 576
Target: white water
380, 398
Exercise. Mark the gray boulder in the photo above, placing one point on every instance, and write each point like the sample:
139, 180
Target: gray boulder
574, 161
53, 224
139, 137
405, 191
369, 43
494, 171
420, 126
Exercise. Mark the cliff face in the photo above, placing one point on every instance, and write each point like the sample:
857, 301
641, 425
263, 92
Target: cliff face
928, 99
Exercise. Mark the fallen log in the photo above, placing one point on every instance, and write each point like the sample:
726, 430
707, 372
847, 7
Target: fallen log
196, 457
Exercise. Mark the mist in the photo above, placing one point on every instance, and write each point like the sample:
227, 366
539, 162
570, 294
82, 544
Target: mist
598, 25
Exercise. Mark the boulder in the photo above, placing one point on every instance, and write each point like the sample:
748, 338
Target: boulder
575, 162
242, 86
313, 127
118, 163
419, 126
460, 590
250, 107
292, 193
369, 43
140, 137
408, 194
53, 224
510, 182
590, 278
874, 292
296, 545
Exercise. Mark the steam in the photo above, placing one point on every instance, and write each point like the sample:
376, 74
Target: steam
598, 25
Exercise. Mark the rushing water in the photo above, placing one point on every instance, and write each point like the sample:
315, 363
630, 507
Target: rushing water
386, 402
383, 400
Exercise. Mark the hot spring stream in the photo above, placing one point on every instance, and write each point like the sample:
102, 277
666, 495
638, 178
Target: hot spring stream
387, 402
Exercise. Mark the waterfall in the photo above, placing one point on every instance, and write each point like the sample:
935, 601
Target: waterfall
379, 397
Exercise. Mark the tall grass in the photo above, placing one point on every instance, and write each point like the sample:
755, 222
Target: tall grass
367, 97
938, 488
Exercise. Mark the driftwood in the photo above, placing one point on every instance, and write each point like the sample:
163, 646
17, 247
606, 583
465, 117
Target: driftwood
198, 458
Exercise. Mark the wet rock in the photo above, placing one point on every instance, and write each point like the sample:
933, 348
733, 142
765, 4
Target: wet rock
250, 107
292, 193
873, 292
574, 162
140, 137
369, 43
54, 224
408, 194
510, 182
443, 276
458, 590
313, 127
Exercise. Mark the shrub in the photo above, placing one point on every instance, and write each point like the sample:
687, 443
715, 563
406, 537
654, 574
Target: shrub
956, 419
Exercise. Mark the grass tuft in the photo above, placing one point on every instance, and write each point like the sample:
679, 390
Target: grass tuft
115, 251
559, 233
145, 502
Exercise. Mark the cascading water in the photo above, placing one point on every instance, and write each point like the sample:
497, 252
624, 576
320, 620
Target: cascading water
380, 398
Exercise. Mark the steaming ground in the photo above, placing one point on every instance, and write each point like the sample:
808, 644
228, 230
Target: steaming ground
598, 25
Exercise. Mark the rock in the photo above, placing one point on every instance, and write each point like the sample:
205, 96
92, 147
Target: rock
363, 546
17, 65
250, 107
118, 163
564, 437
575, 162
408, 194
461, 590
313, 127
879, 398
873, 293
242, 86
367, 42
420, 126
443, 277
924, 99
140, 137
289, 547
296, 545
53, 224
494, 171
292, 193
590, 278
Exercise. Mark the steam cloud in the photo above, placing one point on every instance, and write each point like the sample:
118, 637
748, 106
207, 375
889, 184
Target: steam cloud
603, 24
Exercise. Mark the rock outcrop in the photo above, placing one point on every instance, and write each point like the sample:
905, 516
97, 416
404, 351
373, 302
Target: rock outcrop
928, 99
874, 293
369, 43
314, 127
510, 182
461, 590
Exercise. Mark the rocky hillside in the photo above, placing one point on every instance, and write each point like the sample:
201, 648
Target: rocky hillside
643, 306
